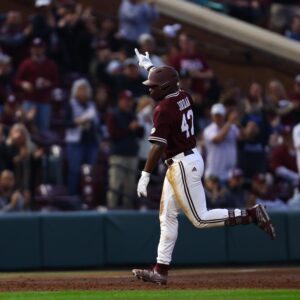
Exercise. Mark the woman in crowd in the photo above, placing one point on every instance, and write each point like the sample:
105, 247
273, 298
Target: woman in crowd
82, 132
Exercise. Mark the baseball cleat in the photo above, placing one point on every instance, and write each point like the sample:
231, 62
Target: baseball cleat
263, 221
150, 276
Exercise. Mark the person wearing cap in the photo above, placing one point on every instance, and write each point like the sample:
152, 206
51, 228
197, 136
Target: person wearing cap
36, 77
124, 132
220, 139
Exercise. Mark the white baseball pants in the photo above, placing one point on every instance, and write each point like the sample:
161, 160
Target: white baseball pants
183, 191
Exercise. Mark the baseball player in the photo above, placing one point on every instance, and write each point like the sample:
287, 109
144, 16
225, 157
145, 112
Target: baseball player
173, 135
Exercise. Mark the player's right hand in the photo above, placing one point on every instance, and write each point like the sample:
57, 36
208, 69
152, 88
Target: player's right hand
144, 60
143, 183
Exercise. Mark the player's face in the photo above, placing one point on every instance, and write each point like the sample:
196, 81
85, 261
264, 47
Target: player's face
155, 92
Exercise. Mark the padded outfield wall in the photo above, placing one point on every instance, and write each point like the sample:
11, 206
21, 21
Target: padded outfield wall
91, 239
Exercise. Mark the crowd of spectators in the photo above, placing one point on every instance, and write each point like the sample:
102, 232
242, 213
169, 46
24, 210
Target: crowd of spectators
282, 16
75, 117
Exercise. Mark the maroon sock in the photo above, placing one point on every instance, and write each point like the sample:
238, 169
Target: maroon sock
244, 219
162, 269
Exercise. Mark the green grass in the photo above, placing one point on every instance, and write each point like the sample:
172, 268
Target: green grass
243, 294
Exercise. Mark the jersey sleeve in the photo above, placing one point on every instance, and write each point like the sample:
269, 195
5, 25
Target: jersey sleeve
161, 127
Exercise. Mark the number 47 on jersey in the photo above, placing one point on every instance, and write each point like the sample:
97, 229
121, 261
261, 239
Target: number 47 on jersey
187, 123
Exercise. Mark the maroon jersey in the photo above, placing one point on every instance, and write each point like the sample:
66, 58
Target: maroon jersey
173, 123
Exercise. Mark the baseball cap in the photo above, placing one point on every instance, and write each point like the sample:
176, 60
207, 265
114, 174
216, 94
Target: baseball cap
37, 42
39, 3
236, 172
125, 95
218, 109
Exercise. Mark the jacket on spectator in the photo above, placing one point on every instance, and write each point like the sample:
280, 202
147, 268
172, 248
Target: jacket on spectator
123, 140
31, 70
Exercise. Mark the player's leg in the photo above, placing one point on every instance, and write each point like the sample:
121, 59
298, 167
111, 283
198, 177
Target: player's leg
168, 235
168, 224
186, 181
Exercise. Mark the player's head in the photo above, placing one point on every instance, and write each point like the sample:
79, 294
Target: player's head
162, 81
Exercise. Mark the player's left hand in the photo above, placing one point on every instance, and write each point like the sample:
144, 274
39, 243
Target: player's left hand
144, 60
143, 183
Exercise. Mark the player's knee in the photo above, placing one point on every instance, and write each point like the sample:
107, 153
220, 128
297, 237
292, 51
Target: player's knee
199, 225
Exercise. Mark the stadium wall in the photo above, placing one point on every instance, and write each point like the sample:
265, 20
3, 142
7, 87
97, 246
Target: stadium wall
37, 241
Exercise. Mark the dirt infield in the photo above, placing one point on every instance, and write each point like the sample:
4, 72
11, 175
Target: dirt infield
265, 278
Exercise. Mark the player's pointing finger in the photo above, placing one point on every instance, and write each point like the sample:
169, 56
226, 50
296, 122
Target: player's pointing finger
137, 53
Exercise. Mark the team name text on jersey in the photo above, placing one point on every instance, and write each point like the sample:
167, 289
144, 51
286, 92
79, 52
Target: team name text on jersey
184, 103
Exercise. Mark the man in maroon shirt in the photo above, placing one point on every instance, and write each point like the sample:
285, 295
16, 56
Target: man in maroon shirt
36, 77
173, 134
190, 61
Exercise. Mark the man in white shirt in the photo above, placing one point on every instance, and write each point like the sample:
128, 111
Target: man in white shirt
220, 139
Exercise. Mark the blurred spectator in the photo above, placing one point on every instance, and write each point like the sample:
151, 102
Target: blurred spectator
296, 143
43, 25
5, 79
124, 131
108, 33
294, 31
12, 112
256, 131
99, 64
135, 18
213, 192
36, 77
220, 139
131, 79
82, 136
283, 158
13, 35
295, 98
190, 61
254, 102
251, 11
147, 44
74, 37
277, 99
281, 12
235, 194
262, 188
10, 198
23, 157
